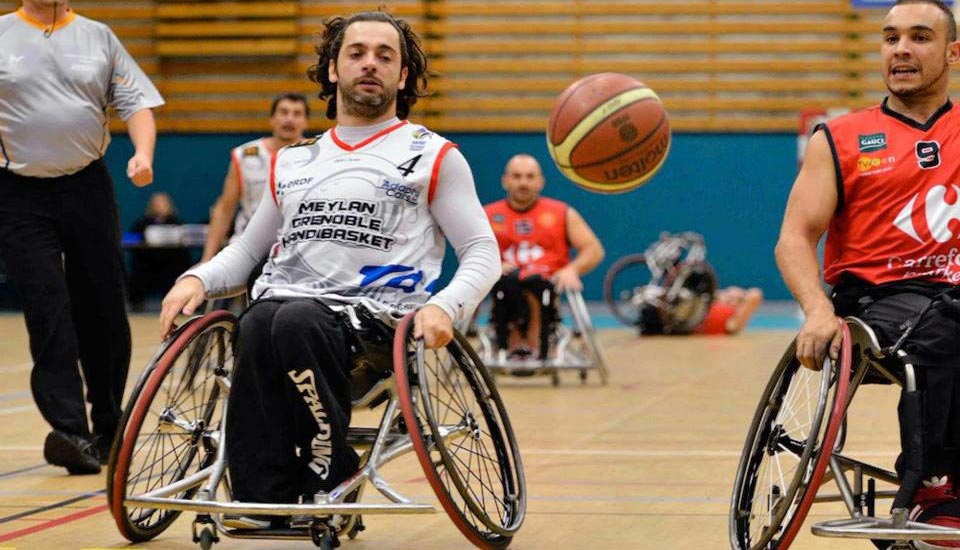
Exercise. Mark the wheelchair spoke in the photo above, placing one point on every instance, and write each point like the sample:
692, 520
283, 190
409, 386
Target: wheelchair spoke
454, 390
468, 454
172, 415
469, 465
780, 456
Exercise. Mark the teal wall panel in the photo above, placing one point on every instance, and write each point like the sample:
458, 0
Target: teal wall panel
730, 187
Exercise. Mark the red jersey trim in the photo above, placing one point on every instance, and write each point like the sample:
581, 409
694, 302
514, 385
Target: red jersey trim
273, 177
435, 173
236, 164
343, 145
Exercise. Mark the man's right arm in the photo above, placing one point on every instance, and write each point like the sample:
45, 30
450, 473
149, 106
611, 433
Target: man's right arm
223, 212
810, 208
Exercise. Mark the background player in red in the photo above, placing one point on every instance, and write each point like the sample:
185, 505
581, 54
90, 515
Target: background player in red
535, 235
882, 183
730, 310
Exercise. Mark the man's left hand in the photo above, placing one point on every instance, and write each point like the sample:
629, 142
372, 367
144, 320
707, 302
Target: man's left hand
140, 170
567, 278
433, 325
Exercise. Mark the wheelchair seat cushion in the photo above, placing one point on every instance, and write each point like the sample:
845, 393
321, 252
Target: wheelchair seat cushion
932, 342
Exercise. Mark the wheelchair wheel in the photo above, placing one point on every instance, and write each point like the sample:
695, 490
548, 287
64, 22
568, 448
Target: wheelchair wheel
783, 461
170, 427
462, 436
623, 286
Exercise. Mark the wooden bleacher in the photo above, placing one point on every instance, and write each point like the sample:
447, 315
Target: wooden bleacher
718, 65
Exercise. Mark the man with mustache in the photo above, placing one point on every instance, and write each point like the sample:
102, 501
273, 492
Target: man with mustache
880, 182
250, 169
355, 218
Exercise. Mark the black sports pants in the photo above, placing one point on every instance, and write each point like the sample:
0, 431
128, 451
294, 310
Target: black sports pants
289, 406
60, 241
934, 349
510, 307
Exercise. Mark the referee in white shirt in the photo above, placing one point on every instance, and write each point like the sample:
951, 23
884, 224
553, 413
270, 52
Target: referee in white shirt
59, 230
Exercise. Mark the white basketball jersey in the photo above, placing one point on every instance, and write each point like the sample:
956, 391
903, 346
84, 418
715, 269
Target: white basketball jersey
356, 221
252, 160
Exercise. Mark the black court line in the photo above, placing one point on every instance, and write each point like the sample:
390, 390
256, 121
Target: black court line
22, 470
53, 506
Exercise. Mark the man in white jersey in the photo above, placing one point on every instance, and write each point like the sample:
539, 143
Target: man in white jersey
250, 169
59, 232
361, 214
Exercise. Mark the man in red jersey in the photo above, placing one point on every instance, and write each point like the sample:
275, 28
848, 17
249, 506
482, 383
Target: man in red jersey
884, 184
535, 235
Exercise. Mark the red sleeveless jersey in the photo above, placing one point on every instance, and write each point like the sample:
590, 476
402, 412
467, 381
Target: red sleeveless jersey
898, 184
534, 240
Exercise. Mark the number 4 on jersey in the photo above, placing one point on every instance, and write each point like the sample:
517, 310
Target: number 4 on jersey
407, 166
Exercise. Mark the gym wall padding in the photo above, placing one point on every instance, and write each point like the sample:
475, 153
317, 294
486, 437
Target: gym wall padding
732, 188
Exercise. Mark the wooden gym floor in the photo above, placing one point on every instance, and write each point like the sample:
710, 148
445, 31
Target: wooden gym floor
646, 462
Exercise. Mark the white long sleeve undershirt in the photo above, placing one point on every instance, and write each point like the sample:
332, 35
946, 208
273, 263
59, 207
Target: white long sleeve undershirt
455, 208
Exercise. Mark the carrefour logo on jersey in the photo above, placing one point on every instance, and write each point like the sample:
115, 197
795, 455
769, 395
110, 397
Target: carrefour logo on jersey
873, 142
933, 217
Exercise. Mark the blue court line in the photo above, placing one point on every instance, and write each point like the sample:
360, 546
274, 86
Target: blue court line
14, 395
22, 470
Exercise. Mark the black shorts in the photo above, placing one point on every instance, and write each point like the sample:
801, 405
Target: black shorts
892, 308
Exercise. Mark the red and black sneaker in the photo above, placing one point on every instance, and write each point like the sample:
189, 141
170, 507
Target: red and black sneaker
936, 504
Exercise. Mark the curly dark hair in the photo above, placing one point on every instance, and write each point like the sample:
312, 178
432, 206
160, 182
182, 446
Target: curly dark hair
330, 40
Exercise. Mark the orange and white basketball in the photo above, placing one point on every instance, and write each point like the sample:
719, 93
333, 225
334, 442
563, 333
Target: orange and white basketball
608, 133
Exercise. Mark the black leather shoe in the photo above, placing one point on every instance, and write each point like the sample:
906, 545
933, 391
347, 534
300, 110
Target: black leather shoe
73, 452
101, 447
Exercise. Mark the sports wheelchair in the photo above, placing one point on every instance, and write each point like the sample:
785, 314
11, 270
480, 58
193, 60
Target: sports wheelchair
667, 289
795, 443
563, 347
170, 456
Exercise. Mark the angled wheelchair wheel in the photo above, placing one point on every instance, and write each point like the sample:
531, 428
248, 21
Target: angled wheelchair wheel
171, 425
462, 436
623, 286
783, 460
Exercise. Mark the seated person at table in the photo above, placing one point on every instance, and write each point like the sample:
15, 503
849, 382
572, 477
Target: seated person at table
154, 270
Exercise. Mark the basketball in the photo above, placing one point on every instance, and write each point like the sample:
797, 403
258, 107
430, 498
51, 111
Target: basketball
608, 133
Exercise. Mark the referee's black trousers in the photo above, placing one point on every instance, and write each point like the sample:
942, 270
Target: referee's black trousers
60, 241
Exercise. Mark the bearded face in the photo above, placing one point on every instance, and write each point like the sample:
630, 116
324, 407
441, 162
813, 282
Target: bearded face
367, 96
368, 71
